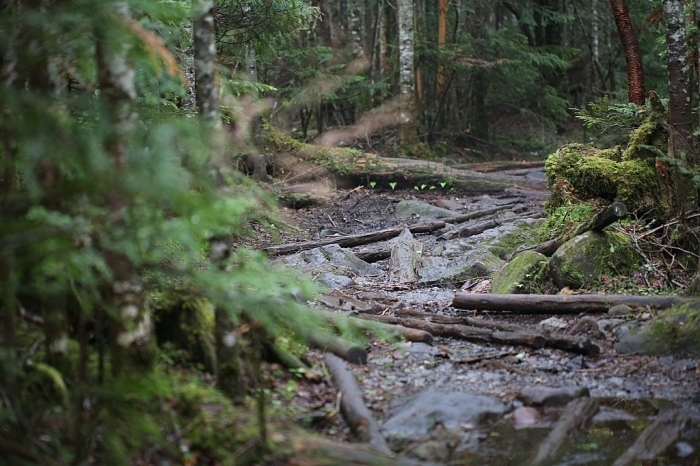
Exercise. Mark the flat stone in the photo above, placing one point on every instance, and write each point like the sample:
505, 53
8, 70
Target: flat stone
434, 407
548, 396
410, 208
472, 264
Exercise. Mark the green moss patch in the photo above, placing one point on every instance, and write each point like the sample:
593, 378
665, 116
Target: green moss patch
520, 275
581, 172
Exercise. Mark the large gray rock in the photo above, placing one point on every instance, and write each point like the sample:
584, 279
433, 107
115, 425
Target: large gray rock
674, 331
433, 407
409, 208
518, 275
331, 264
582, 260
472, 264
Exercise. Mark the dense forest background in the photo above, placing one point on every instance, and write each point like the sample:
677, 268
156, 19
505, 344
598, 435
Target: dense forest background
122, 126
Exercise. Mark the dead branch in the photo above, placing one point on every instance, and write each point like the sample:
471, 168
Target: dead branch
352, 404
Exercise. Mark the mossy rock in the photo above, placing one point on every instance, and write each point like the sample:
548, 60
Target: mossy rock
519, 275
582, 260
674, 331
579, 171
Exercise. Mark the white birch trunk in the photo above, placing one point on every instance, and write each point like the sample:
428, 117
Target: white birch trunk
206, 86
406, 69
355, 26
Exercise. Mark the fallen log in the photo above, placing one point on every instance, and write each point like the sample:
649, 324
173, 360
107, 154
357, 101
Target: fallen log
559, 304
343, 302
406, 255
463, 332
352, 240
290, 361
571, 343
611, 214
336, 345
408, 333
655, 439
469, 230
575, 418
614, 212
353, 406
318, 451
478, 213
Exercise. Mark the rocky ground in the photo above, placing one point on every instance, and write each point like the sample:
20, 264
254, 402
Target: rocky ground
465, 402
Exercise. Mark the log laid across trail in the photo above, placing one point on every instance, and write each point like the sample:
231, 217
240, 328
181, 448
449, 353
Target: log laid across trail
571, 343
348, 241
338, 346
560, 304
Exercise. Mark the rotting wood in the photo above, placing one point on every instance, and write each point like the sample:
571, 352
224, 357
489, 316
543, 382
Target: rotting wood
352, 404
576, 417
406, 255
572, 343
353, 240
655, 439
559, 304
408, 333
338, 346
497, 166
318, 451
611, 214
290, 361
463, 332
614, 212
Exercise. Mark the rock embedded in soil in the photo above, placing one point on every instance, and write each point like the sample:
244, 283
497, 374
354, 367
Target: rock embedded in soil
434, 407
475, 263
411, 208
517, 275
548, 396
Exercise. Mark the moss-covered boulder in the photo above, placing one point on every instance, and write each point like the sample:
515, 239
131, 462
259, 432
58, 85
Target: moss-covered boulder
674, 331
582, 260
579, 171
520, 274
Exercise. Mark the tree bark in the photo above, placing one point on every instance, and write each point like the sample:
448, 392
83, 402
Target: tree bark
206, 89
406, 257
635, 71
407, 126
343, 349
680, 139
115, 74
559, 304
353, 405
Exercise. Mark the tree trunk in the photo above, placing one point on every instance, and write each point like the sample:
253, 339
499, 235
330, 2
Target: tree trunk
407, 126
207, 91
115, 74
680, 142
633, 58
442, 36
356, 29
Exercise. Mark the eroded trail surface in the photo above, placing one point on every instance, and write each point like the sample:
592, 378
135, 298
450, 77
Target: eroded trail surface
480, 401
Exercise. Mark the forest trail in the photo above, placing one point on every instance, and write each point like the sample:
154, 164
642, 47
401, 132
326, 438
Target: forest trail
630, 390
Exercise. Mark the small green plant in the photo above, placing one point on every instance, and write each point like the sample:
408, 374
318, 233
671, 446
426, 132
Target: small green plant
423, 186
416, 188
393, 185
443, 184
432, 186
372, 184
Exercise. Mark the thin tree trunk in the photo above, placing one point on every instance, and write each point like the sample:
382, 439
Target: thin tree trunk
356, 28
407, 126
206, 88
442, 37
630, 45
118, 90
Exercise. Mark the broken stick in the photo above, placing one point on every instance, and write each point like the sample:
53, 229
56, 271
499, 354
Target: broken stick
353, 406
336, 345
655, 439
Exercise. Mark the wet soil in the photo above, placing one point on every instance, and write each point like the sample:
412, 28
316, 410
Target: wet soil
631, 388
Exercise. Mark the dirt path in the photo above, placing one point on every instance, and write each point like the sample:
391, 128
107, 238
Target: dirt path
629, 387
